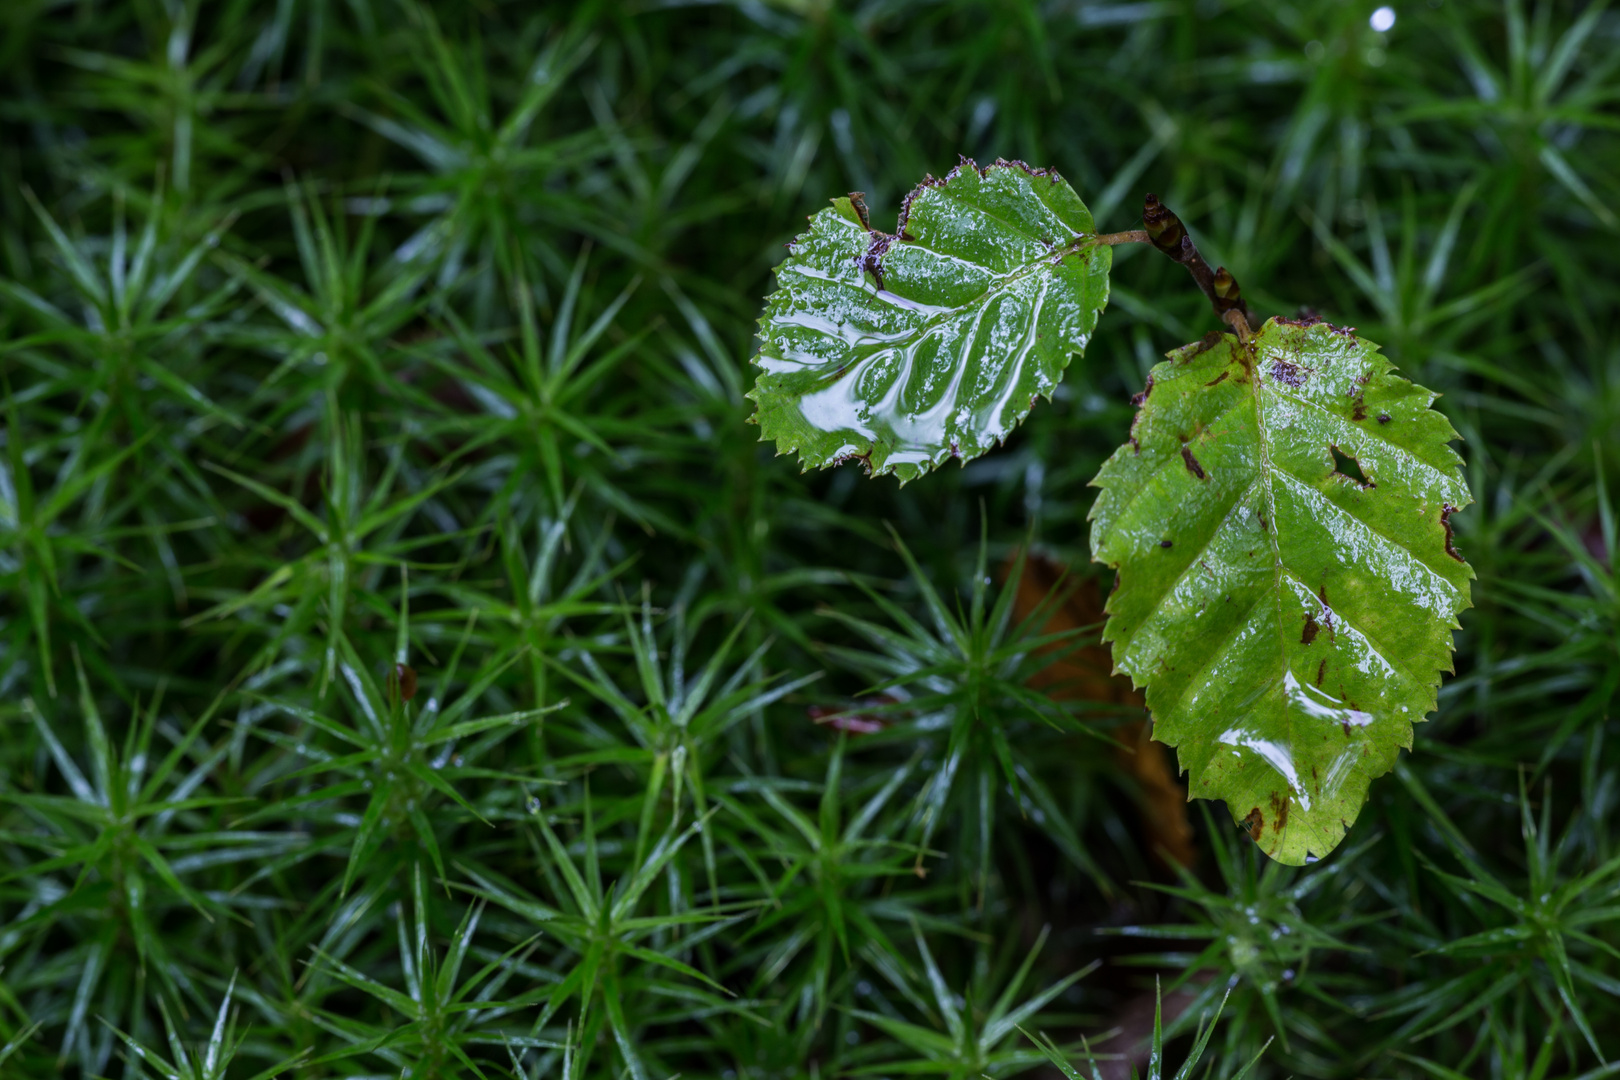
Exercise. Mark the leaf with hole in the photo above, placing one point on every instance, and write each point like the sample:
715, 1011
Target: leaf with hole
909, 349
1280, 520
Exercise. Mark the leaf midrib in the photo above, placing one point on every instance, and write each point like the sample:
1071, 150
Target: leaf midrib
998, 282
945, 190
1280, 568
922, 329
1270, 532
1263, 442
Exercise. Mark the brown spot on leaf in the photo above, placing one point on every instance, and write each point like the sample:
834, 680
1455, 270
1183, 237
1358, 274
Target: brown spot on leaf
905, 204
871, 260
857, 199
1255, 823
865, 460
1309, 317
1327, 611
1312, 628
1138, 399
1383, 418
1287, 374
1279, 811
1205, 343
1219, 378
1166, 543
1003, 163
1445, 520
1192, 462
1321, 670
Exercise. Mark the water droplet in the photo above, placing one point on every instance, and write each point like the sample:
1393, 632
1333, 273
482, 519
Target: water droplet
456, 761
1382, 19
534, 805
366, 784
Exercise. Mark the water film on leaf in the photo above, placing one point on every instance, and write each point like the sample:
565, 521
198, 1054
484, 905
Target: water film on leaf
1280, 521
904, 350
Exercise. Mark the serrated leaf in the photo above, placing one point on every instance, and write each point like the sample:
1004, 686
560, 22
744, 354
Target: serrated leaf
1289, 620
909, 349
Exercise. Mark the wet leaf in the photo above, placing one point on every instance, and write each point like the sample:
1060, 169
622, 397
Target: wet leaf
909, 349
1289, 621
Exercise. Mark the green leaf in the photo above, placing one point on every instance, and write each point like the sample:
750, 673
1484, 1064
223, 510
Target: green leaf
1290, 621
905, 350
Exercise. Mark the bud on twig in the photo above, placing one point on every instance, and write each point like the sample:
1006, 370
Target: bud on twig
1170, 236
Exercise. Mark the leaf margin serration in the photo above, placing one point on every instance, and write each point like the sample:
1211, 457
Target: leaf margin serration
1354, 400
868, 251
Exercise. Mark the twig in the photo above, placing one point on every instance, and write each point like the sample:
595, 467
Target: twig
1165, 232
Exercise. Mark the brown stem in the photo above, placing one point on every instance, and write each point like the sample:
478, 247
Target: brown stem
1132, 236
1165, 232
1239, 322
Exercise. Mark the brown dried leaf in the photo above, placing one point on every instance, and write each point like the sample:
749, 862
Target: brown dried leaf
1086, 674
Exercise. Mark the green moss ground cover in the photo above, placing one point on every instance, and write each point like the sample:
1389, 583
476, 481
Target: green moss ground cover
411, 662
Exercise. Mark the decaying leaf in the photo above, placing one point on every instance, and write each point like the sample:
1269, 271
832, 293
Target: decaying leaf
1085, 674
1288, 615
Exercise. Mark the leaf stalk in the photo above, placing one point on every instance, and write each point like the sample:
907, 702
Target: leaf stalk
1130, 236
